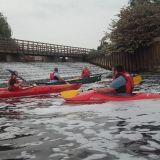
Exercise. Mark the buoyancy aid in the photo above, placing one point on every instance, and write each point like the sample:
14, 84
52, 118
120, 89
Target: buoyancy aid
128, 87
53, 77
85, 73
12, 86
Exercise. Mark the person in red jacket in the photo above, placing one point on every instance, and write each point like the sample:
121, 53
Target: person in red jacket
85, 72
122, 83
55, 77
14, 84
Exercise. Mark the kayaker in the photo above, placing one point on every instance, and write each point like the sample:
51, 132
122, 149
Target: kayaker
122, 83
55, 77
13, 83
85, 72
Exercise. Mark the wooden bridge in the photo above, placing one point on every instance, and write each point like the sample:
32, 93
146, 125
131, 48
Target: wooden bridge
16, 47
146, 59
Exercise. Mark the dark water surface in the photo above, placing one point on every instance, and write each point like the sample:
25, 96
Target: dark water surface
45, 128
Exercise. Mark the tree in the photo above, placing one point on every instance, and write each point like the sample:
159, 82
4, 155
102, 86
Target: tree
137, 2
103, 43
136, 27
5, 30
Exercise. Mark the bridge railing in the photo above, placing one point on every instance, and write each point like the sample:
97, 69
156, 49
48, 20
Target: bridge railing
31, 47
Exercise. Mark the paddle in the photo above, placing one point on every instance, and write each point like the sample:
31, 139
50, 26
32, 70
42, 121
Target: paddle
15, 73
64, 81
71, 93
108, 74
137, 79
80, 79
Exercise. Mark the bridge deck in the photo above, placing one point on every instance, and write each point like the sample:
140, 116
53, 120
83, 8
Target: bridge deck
16, 46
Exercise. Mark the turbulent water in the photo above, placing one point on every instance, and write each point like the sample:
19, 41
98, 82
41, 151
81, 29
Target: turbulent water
45, 128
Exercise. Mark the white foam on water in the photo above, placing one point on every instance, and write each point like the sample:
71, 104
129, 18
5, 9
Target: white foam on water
102, 129
95, 156
26, 155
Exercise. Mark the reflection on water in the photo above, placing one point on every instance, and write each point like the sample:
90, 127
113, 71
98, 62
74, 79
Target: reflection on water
44, 127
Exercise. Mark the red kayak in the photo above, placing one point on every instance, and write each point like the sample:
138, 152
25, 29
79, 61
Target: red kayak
93, 97
37, 90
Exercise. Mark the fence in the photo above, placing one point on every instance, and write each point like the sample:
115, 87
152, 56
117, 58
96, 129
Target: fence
145, 60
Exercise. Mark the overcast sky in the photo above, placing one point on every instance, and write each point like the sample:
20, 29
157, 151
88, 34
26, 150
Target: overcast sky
79, 23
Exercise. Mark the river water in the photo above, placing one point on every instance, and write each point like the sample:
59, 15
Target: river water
45, 128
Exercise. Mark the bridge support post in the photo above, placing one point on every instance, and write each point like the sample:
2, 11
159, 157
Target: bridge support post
84, 58
48, 59
12, 58
63, 59
2, 58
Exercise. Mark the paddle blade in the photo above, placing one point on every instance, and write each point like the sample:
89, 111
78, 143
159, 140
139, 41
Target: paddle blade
137, 79
70, 93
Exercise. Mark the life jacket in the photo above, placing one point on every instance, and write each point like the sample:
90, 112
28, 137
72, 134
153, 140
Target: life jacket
128, 88
53, 77
12, 87
85, 73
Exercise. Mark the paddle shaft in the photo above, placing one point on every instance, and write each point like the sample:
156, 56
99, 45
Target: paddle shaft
14, 72
108, 74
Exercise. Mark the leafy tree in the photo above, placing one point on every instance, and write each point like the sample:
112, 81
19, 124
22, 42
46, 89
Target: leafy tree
137, 2
5, 30
103, 43
136, 27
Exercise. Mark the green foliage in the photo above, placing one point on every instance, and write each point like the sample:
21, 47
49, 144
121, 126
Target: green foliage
137, 2
103, 44
136, 27
5, 30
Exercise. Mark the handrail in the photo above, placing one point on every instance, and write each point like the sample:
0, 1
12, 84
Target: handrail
31, 47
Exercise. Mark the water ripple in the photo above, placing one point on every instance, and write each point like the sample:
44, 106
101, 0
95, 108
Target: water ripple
44, 127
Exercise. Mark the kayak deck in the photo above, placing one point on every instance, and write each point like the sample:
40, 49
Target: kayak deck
93, 97
37, 90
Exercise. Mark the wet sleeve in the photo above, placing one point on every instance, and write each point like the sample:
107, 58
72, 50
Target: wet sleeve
118, 82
